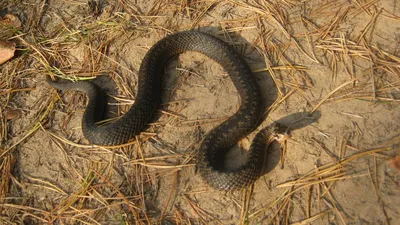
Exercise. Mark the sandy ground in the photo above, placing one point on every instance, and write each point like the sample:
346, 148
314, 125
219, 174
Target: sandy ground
330, 70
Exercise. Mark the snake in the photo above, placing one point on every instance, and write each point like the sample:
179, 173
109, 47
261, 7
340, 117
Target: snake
213, 148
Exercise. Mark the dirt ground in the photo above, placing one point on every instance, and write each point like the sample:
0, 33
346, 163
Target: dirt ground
330, 70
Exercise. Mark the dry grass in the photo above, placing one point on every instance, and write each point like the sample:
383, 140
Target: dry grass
116, 183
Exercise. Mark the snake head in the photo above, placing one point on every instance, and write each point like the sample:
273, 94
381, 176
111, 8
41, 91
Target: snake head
280, 132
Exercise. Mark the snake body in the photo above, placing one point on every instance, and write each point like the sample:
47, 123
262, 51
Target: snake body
211, 153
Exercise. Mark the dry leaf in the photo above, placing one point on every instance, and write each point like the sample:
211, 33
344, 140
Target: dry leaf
11, 114
395, 162
10, 20
7, 50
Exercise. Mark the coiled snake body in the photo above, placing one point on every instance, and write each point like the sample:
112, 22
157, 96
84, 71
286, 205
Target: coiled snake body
211, 153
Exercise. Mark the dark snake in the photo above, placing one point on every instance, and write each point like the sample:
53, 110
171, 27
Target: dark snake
211, 153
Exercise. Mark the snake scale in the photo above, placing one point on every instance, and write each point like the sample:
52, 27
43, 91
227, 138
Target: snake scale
211, 153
